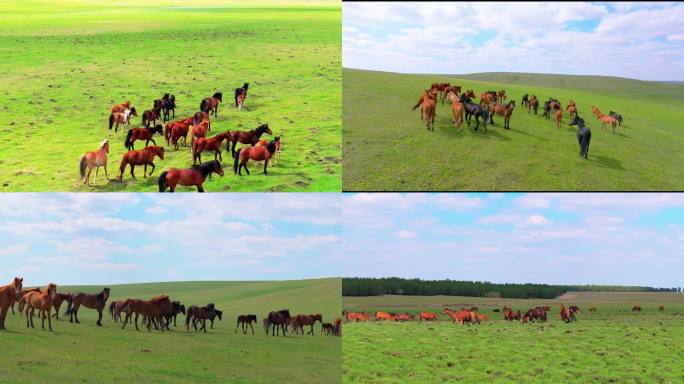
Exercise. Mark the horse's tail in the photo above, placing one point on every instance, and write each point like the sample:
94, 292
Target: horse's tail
420, 101
127, 142
111, 308
162, 181
123, 163
111, 121
187, 320
236, 160
82, 166
202, 104
67, 312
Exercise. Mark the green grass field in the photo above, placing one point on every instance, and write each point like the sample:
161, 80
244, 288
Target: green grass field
612, 345
387, 147
65, 63
86, 353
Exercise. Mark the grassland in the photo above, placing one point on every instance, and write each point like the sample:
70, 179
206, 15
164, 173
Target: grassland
65, 63
387, 147
86, 353
612, 345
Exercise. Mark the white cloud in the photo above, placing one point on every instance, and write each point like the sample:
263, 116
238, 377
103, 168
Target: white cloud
13, 250
537, 220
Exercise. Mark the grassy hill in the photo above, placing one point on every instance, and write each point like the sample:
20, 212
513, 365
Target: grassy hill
612, 345
386, 145
67, 62
87, 353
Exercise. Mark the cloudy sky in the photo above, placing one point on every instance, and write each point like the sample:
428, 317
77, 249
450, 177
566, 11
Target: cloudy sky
628, 239
121, 238
637, 40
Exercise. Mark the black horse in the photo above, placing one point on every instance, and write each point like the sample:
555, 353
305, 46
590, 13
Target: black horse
583, 135
617, 116
547, 109
535, 104
472, 109
168, 104
245, 320
176, 308
240, 91
525, 100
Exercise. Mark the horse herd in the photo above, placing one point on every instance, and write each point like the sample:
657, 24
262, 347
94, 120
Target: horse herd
472, 316
197, 126
493, 103
158, 312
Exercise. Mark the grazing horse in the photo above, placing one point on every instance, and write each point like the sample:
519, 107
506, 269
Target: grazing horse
57, 302
661, 308
210, 104
121, 107
8, 295
121, 118
428, 105
142, 134
94, 159
278, 320
617, 116
457, 109
427, 316
188, 177
533, 104
42, 301
355, 316
168, 105
244, 321
150, 116
240, 95
208, 144
140, 157
505, 111
472, 109
608, 120
243, 155
248, 137
636, 308
501, 94
525, 100
92, 301
583, 135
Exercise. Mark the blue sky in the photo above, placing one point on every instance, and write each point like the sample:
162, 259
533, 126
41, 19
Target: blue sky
125, 238
642, 40
628, 239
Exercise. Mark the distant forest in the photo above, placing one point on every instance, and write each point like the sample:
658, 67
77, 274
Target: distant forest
357, 286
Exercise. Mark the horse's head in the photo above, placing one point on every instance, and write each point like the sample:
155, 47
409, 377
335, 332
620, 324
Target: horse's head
133, 111
52, 290
105, 145
217, 168
105, 294
159, 151
219, 314
18, 285
219, 96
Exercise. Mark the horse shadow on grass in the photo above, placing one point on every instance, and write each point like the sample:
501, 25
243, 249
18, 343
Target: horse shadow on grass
607, 162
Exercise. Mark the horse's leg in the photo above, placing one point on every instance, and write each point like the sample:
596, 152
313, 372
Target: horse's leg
136, 321
87, 178
265, 165
49, 318
97, 169
250, 325
99, 318
132, 169
246, 169
199, 188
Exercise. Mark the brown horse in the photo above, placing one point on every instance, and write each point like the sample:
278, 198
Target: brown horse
121, 107
8, 295
188, 177
307, 320
115, 309
151, 116
208, 144
428, 105
572, 109
327, 329
274, 159
94, 159
501, 94
533, 103
21, 299
200, 314
505, 111
559, 116
427, 316
457, 109
636, 308
197, 131
199, 117
592, 309
487, 98
661, 308
248, 137
608, 120
469, 93
278, 320
596, 112
143, 156
142, 134
42, 301
243, 155
121, 118
245, 320
210, 105
92, 301
153, 312
57, 302
176, 130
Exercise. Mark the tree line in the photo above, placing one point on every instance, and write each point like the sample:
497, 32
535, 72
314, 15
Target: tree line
361, 286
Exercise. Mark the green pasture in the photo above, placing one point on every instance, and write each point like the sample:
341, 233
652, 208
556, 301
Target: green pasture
613, 345
86, 353
65, 63
387, 146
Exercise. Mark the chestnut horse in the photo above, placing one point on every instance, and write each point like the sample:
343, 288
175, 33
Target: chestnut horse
428, 105
559, 116
501, 94
57, 302
152, 311
151, 116
308, 320
457, 109
247, 137
533, 103
8, 295
21, 299
278, 320
606, 119
661, 308
427, 316
142, 134
572, 109
505, 111
245, 320
200, 314
240, 95
143, 156
121, 107
596, 112
199, 130
121, 118
263, 143
92, 301
243, 155
42, 301
210, 105
199, 117
94, 159
188, 177
488, 97
208, 144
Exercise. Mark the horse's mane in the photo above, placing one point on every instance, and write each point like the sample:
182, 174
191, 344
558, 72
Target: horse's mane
205, 168
271, 146
104, 142
260, 129
102, 293
160, 298
218, 95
